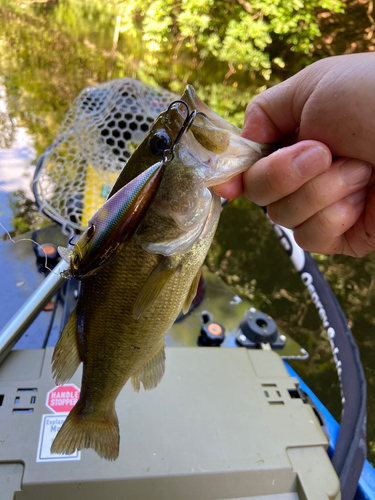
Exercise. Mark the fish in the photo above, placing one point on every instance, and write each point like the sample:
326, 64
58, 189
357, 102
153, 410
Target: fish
113, 225
123, 313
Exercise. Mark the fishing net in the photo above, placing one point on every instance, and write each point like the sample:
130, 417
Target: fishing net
97, 137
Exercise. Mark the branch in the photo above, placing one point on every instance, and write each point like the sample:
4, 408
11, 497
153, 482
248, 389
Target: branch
246, 5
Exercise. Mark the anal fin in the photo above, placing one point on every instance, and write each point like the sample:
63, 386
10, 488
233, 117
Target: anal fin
153, 287
192, 292
65, 358
152, 372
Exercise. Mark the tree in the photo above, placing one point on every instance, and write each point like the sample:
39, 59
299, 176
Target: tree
233, 45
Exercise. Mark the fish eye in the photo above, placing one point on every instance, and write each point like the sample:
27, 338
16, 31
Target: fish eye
90, 232
76, 260
159, 142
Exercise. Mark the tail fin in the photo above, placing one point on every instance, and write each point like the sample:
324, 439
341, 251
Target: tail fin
79, 432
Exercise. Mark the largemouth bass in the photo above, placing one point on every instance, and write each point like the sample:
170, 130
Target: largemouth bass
124, 312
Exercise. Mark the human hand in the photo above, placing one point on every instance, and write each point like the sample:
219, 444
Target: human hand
326, 110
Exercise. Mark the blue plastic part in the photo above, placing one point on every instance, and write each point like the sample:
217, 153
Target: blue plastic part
366, 485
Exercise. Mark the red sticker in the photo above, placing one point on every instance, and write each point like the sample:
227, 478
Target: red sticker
62, 398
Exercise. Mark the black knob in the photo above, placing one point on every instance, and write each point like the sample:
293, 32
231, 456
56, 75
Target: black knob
259, 328
212, 333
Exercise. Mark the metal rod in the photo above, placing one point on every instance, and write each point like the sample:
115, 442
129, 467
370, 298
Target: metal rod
16, 327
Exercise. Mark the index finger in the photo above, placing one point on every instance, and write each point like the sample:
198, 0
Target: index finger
277, 111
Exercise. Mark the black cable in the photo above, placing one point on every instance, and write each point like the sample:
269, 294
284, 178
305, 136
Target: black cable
49, 329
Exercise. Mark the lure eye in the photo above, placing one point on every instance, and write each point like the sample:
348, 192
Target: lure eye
76, 260
90, 232
159, 142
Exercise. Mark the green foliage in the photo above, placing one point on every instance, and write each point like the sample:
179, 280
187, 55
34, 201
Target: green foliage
230, 43
238, 32
47, 57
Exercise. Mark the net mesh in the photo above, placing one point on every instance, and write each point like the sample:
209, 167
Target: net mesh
101, 130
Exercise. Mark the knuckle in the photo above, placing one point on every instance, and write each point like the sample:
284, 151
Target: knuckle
273, 212
278, 215
325, 225
311, 197
299, 236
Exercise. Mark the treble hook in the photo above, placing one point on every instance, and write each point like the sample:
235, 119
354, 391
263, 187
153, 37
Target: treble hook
179, 101
190, 117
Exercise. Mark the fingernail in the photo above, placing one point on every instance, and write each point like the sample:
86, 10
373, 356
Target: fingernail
357, 197
355, 171
312, 161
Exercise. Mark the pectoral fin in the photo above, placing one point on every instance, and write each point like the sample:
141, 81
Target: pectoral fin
192, 292
65, 358
152, 372
153, 286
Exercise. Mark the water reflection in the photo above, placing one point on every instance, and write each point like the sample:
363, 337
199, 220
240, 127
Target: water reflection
16, 155
50, 51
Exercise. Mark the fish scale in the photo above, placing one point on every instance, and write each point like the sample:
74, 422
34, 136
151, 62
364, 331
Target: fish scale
124, 312
134, 341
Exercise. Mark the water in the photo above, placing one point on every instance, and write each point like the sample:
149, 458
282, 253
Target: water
50, 51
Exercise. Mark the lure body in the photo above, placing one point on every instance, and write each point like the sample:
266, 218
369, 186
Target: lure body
113, 225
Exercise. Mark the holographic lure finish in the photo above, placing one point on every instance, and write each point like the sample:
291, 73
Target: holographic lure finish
114, 224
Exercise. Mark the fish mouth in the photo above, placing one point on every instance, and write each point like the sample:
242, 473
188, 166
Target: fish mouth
222, 152
196, 104
219, 123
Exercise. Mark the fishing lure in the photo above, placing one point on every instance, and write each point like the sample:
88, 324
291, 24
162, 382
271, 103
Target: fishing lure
114, 224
